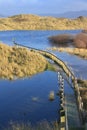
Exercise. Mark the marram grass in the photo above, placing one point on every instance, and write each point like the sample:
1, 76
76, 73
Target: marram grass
33, 22
20, 62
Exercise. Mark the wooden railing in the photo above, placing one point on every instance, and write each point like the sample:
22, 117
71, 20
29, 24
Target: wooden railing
68, 72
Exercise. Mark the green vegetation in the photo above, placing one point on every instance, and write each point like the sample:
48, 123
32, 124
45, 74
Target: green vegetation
51, 67
34, 22
17, 62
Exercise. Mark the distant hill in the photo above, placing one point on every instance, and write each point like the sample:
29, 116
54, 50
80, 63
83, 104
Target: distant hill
2, 16
70, 14
74, 14
35, 22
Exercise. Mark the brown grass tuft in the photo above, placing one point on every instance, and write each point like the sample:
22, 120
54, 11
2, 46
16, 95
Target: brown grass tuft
80, 41
20, 62
83, 92
61, 39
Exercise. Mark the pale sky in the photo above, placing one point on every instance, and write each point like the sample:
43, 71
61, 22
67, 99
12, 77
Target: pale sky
12, 7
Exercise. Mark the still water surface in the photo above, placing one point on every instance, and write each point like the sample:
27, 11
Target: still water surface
26, 99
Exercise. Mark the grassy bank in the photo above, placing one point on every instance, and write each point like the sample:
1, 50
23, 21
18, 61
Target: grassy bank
20, 62
75, 51
34, 22
83, 91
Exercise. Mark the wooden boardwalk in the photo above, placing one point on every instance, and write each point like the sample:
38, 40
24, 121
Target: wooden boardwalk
69, 103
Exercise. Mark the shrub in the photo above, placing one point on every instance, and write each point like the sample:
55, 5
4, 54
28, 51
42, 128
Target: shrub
80, 41
61, 39
81, 17
84, 31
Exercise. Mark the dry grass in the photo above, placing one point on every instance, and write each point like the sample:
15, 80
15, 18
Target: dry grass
80, 40
83, 83
33, 22
75, 51
61, 39
83, 91
20, 62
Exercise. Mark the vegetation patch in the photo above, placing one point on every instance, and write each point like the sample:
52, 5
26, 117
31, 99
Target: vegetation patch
83, 83
80, 40
77, 41
61, 40
75, 51
83, 91
17, 62
34, 22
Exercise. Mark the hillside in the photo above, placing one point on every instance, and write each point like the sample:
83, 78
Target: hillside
34, 22
20, 62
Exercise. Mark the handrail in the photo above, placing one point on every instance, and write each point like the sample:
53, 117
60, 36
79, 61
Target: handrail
67, 71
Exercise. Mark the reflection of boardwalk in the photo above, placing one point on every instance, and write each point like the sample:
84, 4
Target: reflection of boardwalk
72, 114
72, 111
71, 107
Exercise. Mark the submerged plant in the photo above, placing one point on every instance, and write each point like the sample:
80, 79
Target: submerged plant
43, 125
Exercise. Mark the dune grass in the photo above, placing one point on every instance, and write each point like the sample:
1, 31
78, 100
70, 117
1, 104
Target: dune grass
75, 51
34, 22
20, 62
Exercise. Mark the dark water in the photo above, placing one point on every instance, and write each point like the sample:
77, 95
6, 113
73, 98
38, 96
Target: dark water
26, 99
17, 102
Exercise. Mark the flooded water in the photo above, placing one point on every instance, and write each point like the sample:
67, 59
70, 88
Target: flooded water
26, 100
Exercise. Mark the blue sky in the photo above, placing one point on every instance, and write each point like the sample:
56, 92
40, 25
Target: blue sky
12, 7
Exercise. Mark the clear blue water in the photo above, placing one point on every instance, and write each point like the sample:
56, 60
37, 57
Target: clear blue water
16, 97
17, 104
37, 39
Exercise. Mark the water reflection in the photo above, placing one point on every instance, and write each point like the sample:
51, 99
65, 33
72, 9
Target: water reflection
27, 100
